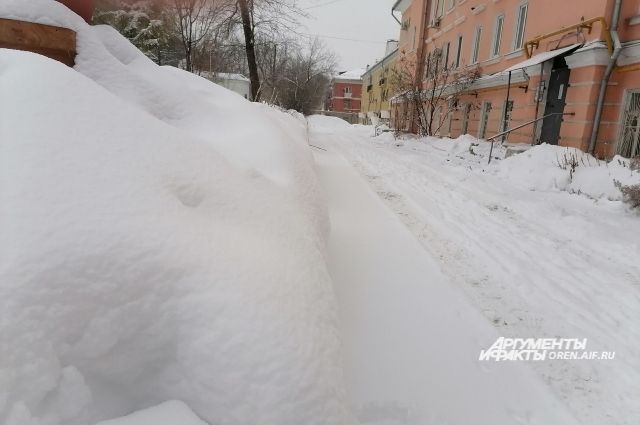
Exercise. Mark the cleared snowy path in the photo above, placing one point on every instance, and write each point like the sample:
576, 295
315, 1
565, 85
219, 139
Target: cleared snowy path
536, 264
411, 338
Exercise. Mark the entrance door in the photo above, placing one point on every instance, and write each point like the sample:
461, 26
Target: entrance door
556, 96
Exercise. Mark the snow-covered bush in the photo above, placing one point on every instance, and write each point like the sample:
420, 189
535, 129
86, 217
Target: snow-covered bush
630, 194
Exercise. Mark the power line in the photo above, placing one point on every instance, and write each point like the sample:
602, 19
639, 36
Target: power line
342, 38
322, 5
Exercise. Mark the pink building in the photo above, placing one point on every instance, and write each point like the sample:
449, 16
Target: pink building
346, 92
574, 65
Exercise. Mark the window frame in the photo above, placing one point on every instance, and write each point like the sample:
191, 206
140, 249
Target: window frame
475, 51
518, 33
446, 48
459, 52
498, 32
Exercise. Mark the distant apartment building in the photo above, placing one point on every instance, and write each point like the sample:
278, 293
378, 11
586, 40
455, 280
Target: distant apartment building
346, 92
377, 88
567, 71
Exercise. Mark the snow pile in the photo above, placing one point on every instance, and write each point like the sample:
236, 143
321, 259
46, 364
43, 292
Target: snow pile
547, 168
168, 413
541, 168
329, 125
162, 239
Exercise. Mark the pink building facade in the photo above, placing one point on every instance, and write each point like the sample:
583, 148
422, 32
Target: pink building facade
346, 92
537, 59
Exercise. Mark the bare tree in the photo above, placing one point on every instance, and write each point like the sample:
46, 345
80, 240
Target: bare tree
428, 91
265, 18
195, 20
305, 78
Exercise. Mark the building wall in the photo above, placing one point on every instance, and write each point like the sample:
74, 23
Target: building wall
587, 65
242, 87
377, 89
341, 101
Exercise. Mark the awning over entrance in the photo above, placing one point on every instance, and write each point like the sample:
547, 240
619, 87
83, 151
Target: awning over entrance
542, 57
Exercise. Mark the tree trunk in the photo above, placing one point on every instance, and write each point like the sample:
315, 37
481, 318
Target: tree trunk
247, 27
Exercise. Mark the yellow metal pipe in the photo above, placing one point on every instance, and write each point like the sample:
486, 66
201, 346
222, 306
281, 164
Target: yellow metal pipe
588, 24
628, 68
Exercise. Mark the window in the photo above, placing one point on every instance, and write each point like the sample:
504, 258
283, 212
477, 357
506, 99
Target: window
347, 90
437, 10
347, 104
440, 8
445, 55
497, 36
521, 21
465, 118
476, 45
414, 39
459, 52
629, 140
484, 119
505, 119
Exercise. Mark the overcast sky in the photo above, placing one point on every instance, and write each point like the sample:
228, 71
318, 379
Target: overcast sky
340, 22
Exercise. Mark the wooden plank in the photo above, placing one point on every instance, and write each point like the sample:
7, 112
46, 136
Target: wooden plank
54, 42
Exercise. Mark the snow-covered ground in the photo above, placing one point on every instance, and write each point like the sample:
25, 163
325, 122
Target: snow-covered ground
161, 239
172, 254
411, 338
534, 258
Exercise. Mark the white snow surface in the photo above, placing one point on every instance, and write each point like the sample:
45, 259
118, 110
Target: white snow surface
538, 254
162, 239
171, 412
411, 338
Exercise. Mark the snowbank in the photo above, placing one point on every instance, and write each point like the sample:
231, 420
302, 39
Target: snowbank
162, 239
168, 413
327, 124
547, 168
541, 168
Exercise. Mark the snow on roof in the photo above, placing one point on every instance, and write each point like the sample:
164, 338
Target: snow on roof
542, 57
354, 74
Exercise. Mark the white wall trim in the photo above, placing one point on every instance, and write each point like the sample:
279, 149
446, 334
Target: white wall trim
594, 54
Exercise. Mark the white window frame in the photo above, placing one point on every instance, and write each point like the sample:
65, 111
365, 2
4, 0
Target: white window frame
483, 125
437, 10
466, 114
518, 33
498, 30
475, 51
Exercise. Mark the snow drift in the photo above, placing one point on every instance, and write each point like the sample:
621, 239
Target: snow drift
162, 239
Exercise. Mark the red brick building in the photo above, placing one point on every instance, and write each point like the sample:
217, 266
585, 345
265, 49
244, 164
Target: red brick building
346, 92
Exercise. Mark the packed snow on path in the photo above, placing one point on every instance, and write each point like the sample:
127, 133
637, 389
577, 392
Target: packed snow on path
540, 254
155, 247
411, 339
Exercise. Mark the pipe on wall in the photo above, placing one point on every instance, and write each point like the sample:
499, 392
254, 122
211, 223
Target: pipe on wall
617, 47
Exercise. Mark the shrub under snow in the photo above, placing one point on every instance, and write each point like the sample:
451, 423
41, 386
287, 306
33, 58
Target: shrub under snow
162, 239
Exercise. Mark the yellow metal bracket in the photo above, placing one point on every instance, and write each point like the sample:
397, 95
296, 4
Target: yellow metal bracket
534, 43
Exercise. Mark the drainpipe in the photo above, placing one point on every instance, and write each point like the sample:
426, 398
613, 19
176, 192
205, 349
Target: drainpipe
393, 8
617, 47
